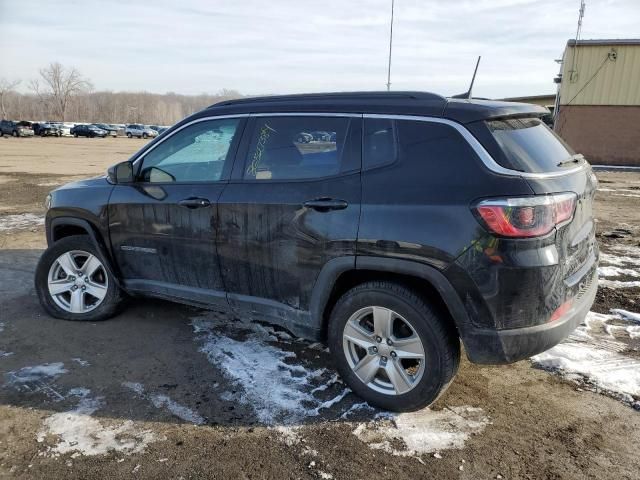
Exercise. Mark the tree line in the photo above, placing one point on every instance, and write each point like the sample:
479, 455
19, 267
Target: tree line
62, 94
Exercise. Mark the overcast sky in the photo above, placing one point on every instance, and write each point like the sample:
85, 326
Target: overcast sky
190, 46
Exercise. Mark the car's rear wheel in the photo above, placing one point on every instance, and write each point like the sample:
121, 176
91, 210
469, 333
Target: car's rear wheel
392, 347
74, 283
129, 135
144, 135
14, 133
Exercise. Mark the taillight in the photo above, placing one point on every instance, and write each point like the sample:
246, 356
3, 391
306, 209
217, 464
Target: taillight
524, 217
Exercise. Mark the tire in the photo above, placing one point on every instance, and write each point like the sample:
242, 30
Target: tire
415, 321
14, 133
75, 135
90, 308
129, 135
145, 136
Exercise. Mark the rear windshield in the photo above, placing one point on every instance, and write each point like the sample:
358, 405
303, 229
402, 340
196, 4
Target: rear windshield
529, 145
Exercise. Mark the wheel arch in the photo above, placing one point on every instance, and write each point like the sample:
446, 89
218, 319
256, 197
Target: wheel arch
61, 227
343, 273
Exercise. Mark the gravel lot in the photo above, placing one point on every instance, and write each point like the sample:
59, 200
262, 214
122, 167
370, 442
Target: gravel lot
167, 391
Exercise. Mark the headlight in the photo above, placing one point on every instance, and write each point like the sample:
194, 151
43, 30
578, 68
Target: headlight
47, 202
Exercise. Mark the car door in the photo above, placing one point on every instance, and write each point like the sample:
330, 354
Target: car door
163, 225
292, 205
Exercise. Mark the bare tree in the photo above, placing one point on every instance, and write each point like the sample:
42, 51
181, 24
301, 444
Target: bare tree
6, 86
59, 86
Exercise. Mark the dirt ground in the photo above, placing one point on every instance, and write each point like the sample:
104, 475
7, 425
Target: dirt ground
156, 393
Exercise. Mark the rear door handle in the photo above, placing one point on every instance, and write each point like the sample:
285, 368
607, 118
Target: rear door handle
324, 204
194, 202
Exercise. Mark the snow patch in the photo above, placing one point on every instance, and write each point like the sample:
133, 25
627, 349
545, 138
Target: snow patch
177, 410
277, 389
20, 221
619, 283
595, 356
82, 363
36, 373
426, 431
629, 316
617, 272
605, 369
618, 260
165, 402
76, 431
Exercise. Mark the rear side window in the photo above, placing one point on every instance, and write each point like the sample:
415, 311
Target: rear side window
299, 147
380, 142
528, 145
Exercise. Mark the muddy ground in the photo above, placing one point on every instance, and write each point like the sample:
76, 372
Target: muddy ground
167, 391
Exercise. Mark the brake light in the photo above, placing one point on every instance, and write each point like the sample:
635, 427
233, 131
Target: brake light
525, 217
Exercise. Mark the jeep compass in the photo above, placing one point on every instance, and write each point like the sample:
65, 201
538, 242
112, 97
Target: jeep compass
394, 226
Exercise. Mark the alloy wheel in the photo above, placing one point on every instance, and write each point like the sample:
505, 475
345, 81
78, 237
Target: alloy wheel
77, 282
383, 350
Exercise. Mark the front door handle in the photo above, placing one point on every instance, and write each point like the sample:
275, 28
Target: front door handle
194, 202
324, 204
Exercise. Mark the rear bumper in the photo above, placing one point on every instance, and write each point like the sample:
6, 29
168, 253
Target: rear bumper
486, 346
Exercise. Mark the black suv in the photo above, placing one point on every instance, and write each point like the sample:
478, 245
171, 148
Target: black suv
416, 223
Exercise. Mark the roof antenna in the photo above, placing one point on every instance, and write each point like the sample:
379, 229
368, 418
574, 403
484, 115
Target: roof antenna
467, 94
390, 45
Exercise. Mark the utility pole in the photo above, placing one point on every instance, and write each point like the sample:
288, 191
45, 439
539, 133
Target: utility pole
573, 74
390, 45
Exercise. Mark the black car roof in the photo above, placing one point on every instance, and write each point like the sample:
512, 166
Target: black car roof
390, 103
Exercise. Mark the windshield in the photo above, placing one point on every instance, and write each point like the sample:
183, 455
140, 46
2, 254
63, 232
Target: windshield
529, 145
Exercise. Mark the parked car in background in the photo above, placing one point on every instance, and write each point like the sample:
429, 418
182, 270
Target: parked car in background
48, 129
304, 137
88, 131
140, 131
110, 129
16, 128
429, 222
36, 127
119, 127
321, 136
65, 128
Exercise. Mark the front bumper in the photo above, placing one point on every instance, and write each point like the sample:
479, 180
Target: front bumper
486, 346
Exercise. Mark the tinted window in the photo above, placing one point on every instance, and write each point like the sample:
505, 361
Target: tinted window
438, 147
529, 145
285, 148
380, 146
196, 153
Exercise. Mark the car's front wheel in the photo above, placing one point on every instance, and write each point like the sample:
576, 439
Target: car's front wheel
74, 283
392, 347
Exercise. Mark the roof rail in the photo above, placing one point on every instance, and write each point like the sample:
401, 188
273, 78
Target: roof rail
373, 95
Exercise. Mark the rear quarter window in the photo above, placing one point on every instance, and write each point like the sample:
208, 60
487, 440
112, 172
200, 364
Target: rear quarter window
528, 145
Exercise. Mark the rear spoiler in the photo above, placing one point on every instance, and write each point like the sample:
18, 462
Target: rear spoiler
473, 110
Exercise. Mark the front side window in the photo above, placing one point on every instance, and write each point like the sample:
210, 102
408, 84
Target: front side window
196, 153
297, 147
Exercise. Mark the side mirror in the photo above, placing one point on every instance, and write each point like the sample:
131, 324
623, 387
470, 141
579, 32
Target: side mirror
120, 173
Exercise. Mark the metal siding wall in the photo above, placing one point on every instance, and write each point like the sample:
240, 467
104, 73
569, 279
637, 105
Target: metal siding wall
617, 83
